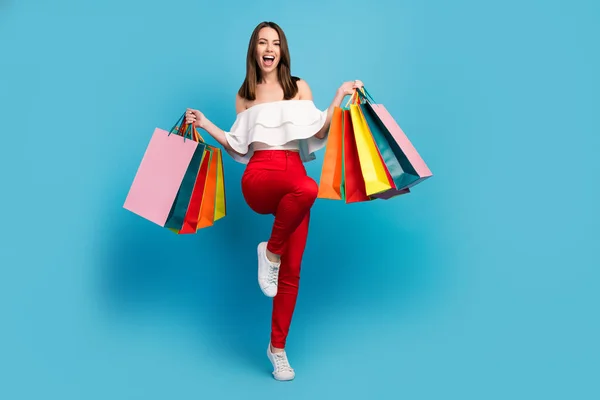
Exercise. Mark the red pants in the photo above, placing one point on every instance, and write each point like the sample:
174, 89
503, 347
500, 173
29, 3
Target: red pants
275, 182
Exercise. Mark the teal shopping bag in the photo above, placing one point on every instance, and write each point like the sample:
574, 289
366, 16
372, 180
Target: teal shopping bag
181, 204
405, 165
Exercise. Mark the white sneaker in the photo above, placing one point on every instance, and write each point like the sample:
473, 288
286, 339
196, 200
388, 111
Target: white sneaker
281, 367
268, 272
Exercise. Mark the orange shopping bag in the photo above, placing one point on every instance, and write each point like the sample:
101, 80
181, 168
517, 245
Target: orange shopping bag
330, 183
207, 210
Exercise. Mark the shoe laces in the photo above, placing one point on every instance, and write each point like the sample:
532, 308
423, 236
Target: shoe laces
273, 273
281, 362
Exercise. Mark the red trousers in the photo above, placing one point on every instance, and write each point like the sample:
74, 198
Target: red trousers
275, 182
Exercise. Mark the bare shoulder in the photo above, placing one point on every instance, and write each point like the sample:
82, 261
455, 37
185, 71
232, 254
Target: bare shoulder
240, 104
304, 92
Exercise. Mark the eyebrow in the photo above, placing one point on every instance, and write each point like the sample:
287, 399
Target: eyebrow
276, 40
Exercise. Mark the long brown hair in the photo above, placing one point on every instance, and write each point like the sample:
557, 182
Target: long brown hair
253, 73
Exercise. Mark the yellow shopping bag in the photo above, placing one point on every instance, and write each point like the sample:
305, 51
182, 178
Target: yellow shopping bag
220, 203
372, 167
213, 203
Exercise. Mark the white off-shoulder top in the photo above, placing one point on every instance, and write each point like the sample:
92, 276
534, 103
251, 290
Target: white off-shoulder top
280, 124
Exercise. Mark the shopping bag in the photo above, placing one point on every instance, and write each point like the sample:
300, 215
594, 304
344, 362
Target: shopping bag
406, 166
159, 177
192, 219
392, 167
208, 203
376, 128
220, 202
183, 200
353, 182
372, 168
330, 183
206, 216
392, 191
208, 191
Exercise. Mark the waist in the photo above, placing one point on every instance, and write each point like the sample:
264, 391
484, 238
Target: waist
272, 154
291, 145
275, 157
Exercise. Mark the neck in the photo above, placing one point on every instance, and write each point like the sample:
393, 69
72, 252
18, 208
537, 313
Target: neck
270, 77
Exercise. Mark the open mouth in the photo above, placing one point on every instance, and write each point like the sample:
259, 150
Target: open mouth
268, 60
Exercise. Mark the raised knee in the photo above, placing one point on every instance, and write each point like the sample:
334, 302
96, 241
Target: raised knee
312, 189
309, 189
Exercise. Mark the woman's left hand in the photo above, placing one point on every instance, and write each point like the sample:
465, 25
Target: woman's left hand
348, 88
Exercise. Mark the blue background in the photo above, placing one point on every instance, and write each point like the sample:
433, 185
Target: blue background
481, 284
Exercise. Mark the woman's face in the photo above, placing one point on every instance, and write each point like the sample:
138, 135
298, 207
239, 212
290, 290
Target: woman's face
268, 49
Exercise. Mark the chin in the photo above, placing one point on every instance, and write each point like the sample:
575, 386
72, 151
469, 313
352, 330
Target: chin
268, 69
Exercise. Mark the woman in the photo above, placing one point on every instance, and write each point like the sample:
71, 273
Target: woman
277, 128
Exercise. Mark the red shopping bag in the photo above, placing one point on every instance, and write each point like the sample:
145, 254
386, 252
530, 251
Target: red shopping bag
354, 184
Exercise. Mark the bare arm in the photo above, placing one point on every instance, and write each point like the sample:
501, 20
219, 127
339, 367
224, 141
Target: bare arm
215, 132
200, 120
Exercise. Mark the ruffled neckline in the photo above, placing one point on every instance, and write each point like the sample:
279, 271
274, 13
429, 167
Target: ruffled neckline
276, 123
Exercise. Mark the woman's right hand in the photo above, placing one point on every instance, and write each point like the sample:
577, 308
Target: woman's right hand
350, 87
200, 121
195, 117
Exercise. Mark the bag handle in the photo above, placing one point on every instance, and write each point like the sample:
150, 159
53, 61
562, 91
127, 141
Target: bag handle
196, 135
184, 129
360, 94
177, 123
364, 94
352, 100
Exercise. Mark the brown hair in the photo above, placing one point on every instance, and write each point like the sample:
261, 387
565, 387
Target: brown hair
287, 81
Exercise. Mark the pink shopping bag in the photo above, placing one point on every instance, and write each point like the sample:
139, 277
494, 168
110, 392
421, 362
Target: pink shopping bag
159, 176
420, 170
406, 166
